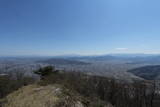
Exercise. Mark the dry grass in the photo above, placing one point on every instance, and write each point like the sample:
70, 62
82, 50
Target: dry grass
41, 96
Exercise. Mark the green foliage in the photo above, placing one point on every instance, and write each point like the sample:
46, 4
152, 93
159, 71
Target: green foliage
44, 71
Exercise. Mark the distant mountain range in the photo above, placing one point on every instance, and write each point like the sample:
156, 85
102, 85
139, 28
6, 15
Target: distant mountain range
62, 61
112, 65
128, 58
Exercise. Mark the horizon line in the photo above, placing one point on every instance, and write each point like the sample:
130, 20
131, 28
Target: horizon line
76, 55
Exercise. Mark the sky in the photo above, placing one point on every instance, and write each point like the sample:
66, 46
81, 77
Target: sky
83, 27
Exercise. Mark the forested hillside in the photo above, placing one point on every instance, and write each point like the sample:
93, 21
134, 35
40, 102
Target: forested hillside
94, 91
147, 72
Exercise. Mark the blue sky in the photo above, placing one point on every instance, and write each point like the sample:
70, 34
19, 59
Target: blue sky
85, 27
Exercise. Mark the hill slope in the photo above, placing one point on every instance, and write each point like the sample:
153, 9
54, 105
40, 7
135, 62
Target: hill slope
62, 61
46, 96
147, 72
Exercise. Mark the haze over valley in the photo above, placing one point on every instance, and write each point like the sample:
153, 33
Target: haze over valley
79, 53
111, 65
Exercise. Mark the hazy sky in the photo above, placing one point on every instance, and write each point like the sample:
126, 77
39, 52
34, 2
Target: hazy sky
56, 27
